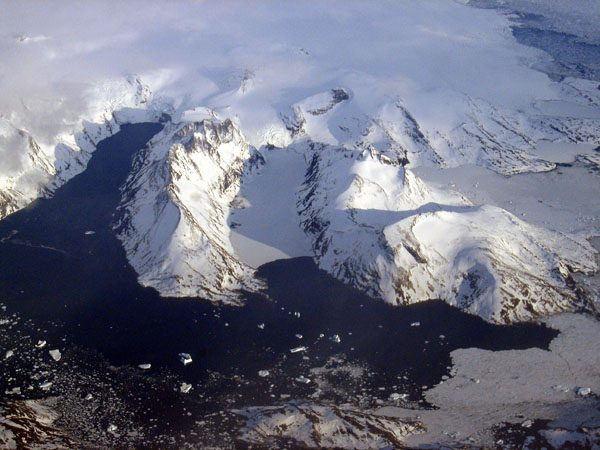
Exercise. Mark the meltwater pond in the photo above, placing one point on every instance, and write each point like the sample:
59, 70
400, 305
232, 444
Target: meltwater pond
75, 290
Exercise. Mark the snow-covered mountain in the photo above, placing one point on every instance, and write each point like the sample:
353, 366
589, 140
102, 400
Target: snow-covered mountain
433, 85
37, 166
376, 225
173, 224
370, 220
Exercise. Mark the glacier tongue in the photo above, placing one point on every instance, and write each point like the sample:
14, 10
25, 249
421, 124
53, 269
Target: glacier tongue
173, 220
376, 225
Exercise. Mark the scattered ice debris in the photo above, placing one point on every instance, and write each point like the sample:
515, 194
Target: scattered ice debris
584, 391
45, 385
13, 391
299, 349
527, 424
4, 321
395, 396
415, 324
40, 344
303, 379
297, 314
336, 338
111, 428
299, 336
89, 232
261, 326
263, 373
185, 358
56, 355
89, 398
145, 366
8, 354
185, 388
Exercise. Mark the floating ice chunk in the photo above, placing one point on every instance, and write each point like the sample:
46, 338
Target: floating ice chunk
527, 424
263, 373
40, 344
297, 314
302, 379
145, 366
299, 349
8, 354
395, 396
89, 398
299, 336
336, 338
89, 232
111, 428
584, 391
185, 388
261, 326
185, 358
45, 385
415, 324
13, 391
56, 355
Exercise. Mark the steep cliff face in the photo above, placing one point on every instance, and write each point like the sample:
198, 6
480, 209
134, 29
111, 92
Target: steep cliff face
173, 221
377, 226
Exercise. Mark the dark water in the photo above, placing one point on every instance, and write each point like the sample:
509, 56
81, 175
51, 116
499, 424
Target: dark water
78, 292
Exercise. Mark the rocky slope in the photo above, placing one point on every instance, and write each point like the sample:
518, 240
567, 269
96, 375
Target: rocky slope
376, 225
175, 204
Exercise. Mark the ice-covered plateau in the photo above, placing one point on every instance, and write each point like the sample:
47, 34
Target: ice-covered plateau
369, 220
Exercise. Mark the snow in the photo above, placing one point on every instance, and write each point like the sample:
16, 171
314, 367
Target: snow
288, 139
514, 384
381, 228
561, 200
269, 203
